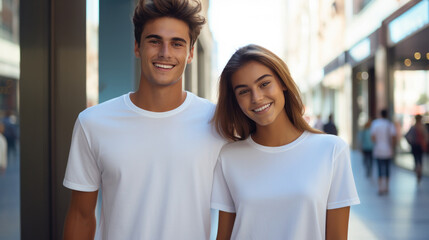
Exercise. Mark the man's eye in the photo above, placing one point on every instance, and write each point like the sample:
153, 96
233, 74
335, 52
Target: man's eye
178, 44
154, 41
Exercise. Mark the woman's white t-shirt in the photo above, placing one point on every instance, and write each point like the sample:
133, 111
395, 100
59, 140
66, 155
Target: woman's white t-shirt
283, 192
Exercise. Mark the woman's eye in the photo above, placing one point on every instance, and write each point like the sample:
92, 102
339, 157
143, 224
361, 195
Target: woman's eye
264, 84
241, 92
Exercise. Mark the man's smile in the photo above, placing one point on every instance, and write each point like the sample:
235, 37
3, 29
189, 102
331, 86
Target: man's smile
163, 66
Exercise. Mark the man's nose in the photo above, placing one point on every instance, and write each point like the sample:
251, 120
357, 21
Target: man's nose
164, 51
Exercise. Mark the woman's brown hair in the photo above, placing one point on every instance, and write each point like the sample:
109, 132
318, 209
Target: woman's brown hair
229, 119
185, 10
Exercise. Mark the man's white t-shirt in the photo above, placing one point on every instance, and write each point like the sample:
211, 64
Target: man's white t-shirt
155, 169
284, 192
383, 130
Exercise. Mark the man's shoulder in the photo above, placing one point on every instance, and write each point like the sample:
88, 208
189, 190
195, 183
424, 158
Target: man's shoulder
381, 124
100, 110
201, 104
377, 122
201, 101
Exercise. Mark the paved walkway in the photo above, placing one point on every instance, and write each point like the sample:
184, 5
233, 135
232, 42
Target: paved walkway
9, 201
402, 214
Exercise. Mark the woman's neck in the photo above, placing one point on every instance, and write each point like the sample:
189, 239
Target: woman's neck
278, 133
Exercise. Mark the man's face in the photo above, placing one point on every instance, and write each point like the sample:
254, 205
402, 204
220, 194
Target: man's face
164, 51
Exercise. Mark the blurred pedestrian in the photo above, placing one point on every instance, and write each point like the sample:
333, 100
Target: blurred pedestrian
417, 137
3, 150
330, 127
277, 168
366, 147
427, 130
383, 134
10, 133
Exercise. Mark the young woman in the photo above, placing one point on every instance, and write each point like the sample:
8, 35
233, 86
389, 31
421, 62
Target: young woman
279, 178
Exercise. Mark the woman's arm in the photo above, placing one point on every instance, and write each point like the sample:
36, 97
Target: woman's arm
226, 223
337, 223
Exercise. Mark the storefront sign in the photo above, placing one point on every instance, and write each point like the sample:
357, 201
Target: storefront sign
409, 22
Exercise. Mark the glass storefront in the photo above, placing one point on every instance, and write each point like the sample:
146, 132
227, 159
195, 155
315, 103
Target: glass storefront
9, 120
411, 91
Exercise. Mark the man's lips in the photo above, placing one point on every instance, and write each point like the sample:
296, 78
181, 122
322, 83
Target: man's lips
163, 66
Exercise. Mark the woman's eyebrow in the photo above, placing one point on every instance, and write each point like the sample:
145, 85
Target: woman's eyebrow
257, 80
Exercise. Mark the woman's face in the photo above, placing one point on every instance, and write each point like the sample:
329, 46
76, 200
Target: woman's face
259, 93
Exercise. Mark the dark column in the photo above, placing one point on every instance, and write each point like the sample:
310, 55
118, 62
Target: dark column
52, 93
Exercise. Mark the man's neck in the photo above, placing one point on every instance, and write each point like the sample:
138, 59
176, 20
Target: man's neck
159, 99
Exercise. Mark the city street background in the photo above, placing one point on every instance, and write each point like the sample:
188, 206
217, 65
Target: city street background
349, 58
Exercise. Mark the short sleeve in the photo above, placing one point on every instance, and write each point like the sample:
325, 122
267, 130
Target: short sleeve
221, 195
82, 172
342, 192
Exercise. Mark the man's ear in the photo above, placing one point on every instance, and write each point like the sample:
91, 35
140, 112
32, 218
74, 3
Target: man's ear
136, 49
191, 55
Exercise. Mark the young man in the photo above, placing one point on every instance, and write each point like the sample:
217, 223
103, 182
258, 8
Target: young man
383, 134
152, 152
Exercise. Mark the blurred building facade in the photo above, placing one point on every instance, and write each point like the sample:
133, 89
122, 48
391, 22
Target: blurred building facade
353, 58
9, 57
198, 75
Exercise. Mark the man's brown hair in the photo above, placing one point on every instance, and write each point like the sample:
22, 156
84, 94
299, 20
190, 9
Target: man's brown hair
229, 119
185, 10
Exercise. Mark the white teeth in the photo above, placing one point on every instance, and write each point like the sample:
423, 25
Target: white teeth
262, 108
163, 66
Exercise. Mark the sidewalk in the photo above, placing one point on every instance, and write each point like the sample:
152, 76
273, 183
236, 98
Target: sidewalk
10, 202
406, 160
402, 214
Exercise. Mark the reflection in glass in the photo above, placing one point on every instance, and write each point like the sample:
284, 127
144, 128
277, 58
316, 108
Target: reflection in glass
411, 98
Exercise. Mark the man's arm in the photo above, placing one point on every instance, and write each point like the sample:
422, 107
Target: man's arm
337, 223
80, 220
394, 141
226, 223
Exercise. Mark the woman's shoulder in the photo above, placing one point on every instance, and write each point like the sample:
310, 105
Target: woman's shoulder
235, 146
317, 139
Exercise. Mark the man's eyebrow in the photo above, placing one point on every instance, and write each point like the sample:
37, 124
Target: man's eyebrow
257, 80
153, 36
176, 39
